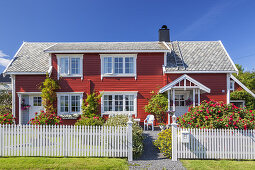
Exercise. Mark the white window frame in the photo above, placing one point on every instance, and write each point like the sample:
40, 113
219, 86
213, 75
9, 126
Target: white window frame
113, 56
233, 85
70, 56
113, 93
69, 94
37, 101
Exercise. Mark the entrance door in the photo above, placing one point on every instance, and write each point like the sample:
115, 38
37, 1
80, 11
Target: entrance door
36, 106
180, 104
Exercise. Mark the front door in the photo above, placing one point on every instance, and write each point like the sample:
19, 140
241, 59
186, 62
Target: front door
180, 104
35, 102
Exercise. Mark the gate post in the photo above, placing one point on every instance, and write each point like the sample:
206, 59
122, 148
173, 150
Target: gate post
130, 139
174, 138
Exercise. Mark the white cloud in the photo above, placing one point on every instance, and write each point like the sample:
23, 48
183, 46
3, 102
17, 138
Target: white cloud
3, 61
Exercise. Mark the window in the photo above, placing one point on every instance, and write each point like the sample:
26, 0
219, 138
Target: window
37, 101
70, 65
69, 103
232, 85
179, 100
118, 65
118, 102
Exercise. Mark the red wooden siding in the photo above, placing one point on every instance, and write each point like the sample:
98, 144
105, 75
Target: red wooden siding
216, 82
149, 78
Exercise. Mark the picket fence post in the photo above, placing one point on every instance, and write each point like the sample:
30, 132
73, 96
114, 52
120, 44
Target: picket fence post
174, 139
130, 140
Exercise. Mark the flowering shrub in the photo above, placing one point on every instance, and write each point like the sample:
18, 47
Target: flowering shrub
164, 142
211, 114
121, 120
6, 118
46, 118
93, 121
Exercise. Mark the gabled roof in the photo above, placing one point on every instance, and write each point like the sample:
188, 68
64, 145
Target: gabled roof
199, 56
184, 77
30, 58
242, 85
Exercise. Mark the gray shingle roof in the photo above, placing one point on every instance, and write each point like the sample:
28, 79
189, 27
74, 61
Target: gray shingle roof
108, 46
197, 55
31, 58
200, 56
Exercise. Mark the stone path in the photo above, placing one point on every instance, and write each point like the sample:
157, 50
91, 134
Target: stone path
152, 158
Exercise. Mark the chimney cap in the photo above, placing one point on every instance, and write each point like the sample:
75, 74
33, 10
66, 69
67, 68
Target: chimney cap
164, 27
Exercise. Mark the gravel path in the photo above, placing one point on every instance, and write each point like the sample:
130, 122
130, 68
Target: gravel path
152, 158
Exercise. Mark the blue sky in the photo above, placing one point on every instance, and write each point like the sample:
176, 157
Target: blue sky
231, 21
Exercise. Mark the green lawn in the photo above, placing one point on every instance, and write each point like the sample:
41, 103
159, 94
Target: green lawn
62, 163
218, 164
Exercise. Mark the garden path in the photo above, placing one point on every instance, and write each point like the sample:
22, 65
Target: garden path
152, 158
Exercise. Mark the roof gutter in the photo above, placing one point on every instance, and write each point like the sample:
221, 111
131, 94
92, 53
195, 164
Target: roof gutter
25, 73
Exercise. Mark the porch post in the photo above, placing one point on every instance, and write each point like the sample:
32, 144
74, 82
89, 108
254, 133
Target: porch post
168, 99
20, 100
194, 98
173, 100
198, 97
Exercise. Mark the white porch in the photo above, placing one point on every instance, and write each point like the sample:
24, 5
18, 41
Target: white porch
183, 92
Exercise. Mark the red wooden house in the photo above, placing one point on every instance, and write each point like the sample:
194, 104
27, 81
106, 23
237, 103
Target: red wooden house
125, 72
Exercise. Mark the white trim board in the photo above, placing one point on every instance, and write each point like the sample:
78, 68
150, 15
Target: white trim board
105, 51
184, 77
242, 85
198, 72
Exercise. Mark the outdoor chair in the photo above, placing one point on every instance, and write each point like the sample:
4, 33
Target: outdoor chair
149, 121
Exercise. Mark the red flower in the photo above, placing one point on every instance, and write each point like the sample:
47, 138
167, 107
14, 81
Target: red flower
226, 125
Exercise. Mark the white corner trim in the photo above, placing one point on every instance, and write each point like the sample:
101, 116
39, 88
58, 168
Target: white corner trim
183, 77
232, 62
13, 96
242, 85
15, 56
228, 88
105, 51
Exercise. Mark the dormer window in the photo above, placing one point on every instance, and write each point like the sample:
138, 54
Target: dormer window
118, 65
70, 65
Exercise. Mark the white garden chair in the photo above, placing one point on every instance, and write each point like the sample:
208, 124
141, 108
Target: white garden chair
149, 121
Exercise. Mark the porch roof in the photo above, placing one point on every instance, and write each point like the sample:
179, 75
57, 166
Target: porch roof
185, 77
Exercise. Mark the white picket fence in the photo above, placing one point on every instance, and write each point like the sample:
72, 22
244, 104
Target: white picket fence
213, 144
68, 141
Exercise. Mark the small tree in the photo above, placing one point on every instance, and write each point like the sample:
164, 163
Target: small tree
49, 96
157, 105
90, 107
5, 102
244, 95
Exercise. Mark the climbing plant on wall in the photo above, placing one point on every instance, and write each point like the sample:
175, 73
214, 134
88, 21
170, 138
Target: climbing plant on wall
49, 96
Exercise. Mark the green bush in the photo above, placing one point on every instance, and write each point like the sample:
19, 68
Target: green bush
244, 95
157, 105
164, 142
46, 118
6, 118
93, 121
211, 114
90, 107
4, 109
121, 120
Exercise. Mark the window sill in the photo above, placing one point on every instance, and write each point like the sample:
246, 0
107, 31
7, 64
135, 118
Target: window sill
118, 75
69, 116
117, 113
